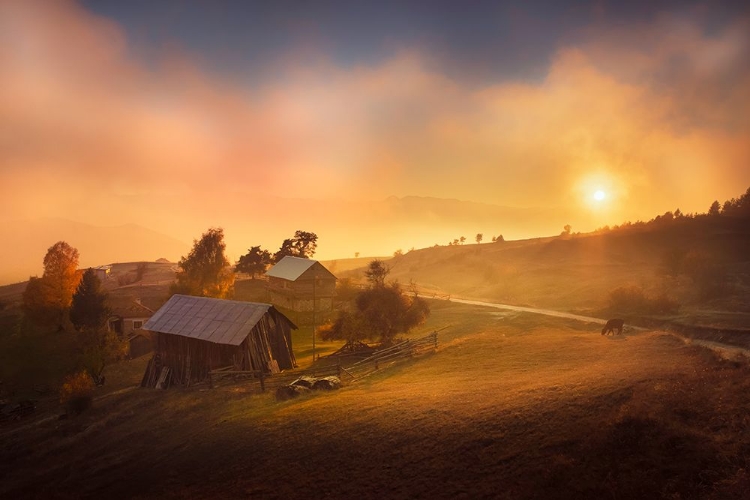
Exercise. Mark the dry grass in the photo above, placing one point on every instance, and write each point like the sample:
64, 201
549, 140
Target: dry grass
510, 406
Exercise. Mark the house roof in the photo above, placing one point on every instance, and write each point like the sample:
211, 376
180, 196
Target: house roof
291, 268
131, 306
214, 320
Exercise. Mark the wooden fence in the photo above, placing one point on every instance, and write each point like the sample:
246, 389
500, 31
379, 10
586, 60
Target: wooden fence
378, 360
397, 352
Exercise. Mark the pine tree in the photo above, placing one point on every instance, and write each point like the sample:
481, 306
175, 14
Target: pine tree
89, 306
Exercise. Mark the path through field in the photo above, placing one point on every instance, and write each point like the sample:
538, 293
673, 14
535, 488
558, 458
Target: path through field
533, 310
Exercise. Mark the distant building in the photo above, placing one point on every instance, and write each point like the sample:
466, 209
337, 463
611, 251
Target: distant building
194, 335
296, 283
127, 316
103, 272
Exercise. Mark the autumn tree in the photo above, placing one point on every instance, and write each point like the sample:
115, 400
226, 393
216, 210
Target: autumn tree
89, 305
48, 299
479, 237
206, 272
303, 244
254, 262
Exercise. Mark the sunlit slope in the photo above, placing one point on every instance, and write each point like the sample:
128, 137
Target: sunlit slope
511, 405
579, 271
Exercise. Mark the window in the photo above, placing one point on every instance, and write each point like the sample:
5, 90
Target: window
137, 324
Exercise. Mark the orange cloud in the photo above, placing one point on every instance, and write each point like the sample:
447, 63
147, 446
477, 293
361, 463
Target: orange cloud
90, 132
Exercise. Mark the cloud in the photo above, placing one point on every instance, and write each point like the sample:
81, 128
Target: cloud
657, 111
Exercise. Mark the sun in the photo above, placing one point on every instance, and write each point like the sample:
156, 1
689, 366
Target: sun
599, 195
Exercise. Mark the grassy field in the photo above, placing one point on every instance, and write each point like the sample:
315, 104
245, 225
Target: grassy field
510, 406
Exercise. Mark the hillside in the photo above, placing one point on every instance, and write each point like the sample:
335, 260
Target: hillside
97, 245
578, 272
510, 406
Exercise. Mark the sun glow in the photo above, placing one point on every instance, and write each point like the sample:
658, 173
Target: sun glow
599, 195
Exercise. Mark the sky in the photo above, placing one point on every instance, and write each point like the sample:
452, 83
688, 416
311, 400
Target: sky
179, 116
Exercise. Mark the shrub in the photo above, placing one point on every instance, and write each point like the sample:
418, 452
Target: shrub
663, 304
632, 299
77, 392
627, 298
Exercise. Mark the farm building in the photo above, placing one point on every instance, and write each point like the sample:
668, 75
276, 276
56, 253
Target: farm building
297, 284
128, 314
194, 335
103, 272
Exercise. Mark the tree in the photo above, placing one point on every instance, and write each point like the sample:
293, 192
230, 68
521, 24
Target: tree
99, 347
381, 312
479, 237
205, 272
254, 262
715, 208
462, 239
89, 305
376, 272
303, 244
37, 304
499, 239
89, 313
566, 229
48, 299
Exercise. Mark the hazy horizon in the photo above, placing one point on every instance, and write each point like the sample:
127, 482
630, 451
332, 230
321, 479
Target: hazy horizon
267, 118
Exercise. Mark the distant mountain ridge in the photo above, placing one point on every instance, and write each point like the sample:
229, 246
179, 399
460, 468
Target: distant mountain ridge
97, 245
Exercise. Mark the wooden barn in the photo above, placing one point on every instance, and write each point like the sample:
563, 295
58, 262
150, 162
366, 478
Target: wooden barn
194, 335
297, 284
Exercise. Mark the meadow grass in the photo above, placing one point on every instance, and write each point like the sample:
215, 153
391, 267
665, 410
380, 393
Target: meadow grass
511, 405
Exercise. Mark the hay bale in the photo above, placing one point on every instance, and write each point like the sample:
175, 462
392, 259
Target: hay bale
286, 392
305, 381
327, 384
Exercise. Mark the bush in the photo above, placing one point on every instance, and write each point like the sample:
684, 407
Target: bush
632, 299
77, 392
627, 298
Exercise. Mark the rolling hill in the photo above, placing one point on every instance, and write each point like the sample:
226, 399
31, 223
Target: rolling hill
578, 272
97, 245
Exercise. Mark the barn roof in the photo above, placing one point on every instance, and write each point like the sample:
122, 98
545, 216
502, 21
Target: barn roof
214, 320
291, 268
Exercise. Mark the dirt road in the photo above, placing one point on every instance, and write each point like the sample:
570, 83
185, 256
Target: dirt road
533, 310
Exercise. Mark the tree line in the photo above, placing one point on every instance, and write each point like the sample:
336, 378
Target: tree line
206, 271
73, 301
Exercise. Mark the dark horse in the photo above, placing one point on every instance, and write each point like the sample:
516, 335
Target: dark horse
612, 325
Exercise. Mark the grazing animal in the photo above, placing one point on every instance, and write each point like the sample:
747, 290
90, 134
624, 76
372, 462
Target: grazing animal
612, 325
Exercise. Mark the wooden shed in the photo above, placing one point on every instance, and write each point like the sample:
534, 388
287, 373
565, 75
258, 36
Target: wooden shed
194, 335
302, 285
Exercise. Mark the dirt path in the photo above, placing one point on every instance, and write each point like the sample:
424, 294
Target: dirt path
726, 351
533, 310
